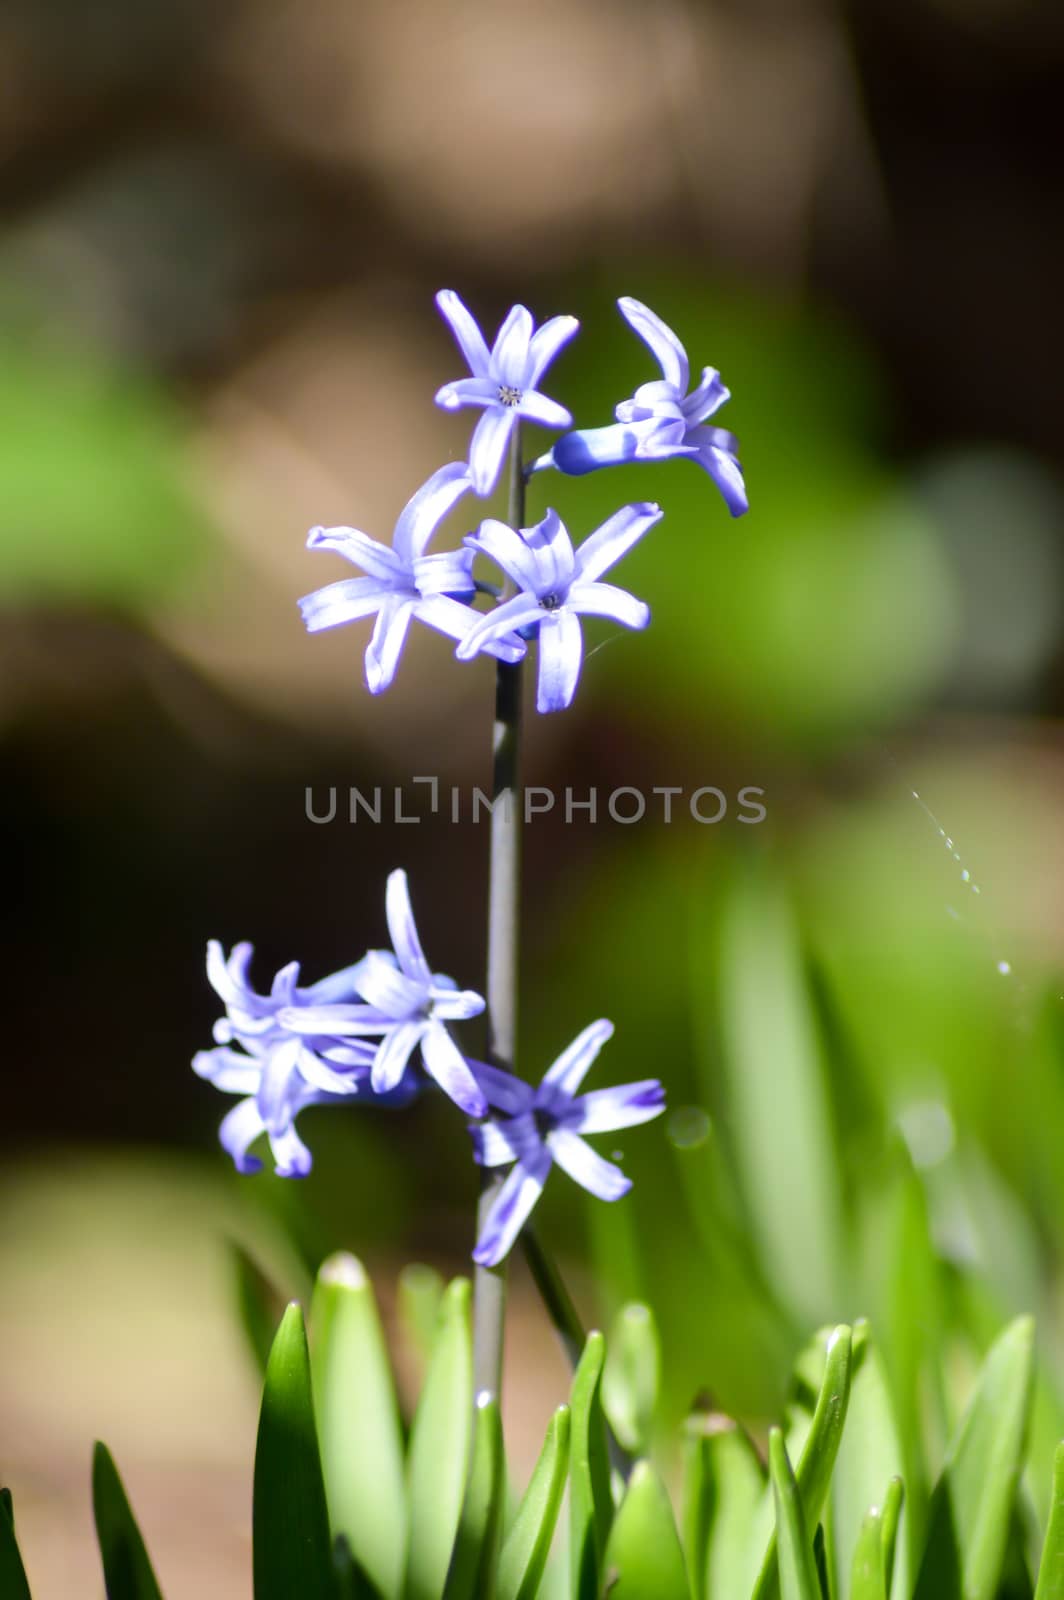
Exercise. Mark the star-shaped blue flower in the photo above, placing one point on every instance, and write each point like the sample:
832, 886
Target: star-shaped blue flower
277, 1070
503, 380
402, 1001
539, 1127
661, 420
403, 581
557, 586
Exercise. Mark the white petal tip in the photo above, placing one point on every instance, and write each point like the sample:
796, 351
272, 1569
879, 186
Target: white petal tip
345, 1271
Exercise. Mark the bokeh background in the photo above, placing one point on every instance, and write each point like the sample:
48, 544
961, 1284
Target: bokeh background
220, 233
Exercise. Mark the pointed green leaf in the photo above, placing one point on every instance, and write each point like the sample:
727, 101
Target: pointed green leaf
14, 1584
735, 1528
972, 1504
797, 1569
358, 1422
439, 1449
869, 1456
290, 1523
420, 1295
821, 1448
868, 1579
699, 1495
127, 1570
527, 1546
892, 1510
632, 1376
474, 1561
1051, 1569
590, 1501
644, 1558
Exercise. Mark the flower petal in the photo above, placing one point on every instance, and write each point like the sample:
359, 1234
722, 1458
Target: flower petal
510, 352
488, 447
449, 572
393, 1053
606, 1110
402, 930
291, 1158
275, 1084
510, 1211
456, 1005
616, 536
545, 345
445, 1062
709, 396
457, 621
520, 612
571, 1067
467, 392
561, 656
338, 986
393, 993
552, 550
379, 560
587, 1168
463, 325
238, 1131
587, 449
426, 509
339, 1021
650, 399
660, 339
505, 546
228, 1070
716, 454
491, 1146
386, 645
540, 408
607, 600
346, 601
502, 1089
317, 1072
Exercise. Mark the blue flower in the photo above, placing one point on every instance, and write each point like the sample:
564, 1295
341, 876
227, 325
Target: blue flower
546, 1125
661, 420
279, 1072
401, 998
557, 586
503, 380
403, 581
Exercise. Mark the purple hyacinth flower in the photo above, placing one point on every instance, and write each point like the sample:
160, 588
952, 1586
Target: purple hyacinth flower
661, 420
401, 998
403, 581
278, 1071
557, 586
546, 1125
503, 380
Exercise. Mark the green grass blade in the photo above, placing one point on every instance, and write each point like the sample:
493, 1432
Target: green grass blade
590, 1501
420, 1296
127, 1570
291, 1548
972, 1504
438, 1456
527, 1546
699, 1500
644, 1558
868, 1578
893, 1506
14, 1584
632, 1376
797, 1569
870, 1455
818, 1456
474, 1561
738, 1496
358, 1423
1051, 1568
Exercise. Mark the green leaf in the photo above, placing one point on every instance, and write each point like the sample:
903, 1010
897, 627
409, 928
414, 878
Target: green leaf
699, 1497
527, 1546
290, 1522
358, 1422
735, 1529
420, 1297
590, 1501
972, 1504
797, 1569
632, 1376
439, 1449
1051, 1568
778, 1094
868, 1579
351, 1581
869, 1456
14, 1584
127, 1570
892, 1510
644, 1557
821, 1448
474, 1560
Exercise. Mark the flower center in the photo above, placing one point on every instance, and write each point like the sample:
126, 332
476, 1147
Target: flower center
550, 602
509, 396
544, 1121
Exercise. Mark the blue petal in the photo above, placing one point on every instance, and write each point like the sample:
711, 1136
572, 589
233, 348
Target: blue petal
347, 601
571, 1067
511, 1210
386, 645
238, 1131
616, 536
587, 449
607, 1110
607, 600
463, 325
426, 509
587, 1168
510, 353
545, 344
445, 1062
561, 655
402, 930
487, 447
660, 339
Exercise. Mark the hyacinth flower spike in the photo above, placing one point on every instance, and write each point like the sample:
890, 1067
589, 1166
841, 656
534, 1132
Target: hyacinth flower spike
404, 582
557, 586
503, 380
539, 1127
661, 420
277, 1070
403, 1000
